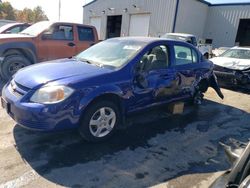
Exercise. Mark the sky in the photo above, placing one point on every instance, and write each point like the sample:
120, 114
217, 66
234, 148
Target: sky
71, 10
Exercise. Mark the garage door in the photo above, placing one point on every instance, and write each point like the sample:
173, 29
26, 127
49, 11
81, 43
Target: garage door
96, 21
139, 25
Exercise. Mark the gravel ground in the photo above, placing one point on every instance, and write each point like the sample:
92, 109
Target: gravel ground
159, 151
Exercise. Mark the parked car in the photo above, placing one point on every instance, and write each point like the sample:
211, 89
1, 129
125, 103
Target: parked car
218, 51
13, 28
96, 90
205, 49
233, 67
43, 41
238, 176
4, 22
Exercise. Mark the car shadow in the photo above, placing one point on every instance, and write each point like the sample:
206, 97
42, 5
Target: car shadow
168, 145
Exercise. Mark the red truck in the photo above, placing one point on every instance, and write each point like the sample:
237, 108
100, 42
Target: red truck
43, 41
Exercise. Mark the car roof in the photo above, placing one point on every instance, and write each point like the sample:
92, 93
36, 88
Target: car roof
147, 39
181, 34
141, 39
242, 48
151, 40
70, 23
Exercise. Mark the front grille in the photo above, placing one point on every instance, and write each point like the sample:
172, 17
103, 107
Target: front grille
18, 89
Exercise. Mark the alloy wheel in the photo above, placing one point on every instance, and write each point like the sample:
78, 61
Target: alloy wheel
102, 122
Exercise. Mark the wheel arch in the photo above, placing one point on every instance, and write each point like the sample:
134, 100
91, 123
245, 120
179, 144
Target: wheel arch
109, 96
26, 49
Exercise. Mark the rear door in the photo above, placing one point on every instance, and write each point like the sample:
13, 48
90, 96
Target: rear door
57, 42
86, 37
188, 68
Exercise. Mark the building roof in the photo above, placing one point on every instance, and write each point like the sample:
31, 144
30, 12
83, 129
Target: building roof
87, 3
201, 1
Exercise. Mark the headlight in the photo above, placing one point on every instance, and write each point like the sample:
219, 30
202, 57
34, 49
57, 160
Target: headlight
51, 94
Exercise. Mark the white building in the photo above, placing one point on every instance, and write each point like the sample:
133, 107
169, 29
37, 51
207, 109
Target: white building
225, 24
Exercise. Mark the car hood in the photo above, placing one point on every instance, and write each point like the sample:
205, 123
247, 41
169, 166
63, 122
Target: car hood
43, 73
231, 63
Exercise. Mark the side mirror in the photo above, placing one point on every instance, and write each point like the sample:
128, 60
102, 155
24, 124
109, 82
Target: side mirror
47, 35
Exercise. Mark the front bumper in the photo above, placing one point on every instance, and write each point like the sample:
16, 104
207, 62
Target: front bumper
40, 117
236, 78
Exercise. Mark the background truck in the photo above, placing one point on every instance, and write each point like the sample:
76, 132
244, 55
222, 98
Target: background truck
205, 49
43, 41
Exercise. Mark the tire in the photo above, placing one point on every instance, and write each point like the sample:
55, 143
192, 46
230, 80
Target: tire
102, 127
11, 64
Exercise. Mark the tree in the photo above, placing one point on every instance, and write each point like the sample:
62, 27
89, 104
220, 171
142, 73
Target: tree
28, 15
38, 14
7, 11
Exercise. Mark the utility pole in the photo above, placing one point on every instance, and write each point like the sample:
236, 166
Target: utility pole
59, 10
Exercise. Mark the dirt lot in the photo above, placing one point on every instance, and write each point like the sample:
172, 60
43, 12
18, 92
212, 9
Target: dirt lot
167, 151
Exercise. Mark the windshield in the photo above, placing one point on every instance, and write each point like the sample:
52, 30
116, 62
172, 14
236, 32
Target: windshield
37, 28
237, 53
7, 26
111, 53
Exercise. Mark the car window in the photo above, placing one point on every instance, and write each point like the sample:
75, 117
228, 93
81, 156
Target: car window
62, 32
85, 33
24, 27
156, 58
14, 30
185, 55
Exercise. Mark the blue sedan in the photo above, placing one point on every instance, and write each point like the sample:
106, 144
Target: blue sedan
97, 89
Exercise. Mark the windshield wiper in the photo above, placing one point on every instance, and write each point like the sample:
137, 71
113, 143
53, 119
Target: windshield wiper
88, 61
25, 34
83, 60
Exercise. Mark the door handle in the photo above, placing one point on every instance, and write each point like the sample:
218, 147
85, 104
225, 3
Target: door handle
71, 44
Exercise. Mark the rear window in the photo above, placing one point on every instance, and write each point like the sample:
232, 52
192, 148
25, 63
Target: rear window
185, 55
85, 34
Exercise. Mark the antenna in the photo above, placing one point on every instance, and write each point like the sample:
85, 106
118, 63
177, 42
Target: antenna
59, 18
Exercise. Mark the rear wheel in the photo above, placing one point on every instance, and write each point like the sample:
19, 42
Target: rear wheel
99, 121
11, 64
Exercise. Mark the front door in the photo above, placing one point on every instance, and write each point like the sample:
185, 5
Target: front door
155, 81
57, 43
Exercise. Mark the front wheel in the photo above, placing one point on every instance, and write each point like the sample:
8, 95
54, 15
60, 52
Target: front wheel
11, 64
99, 121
